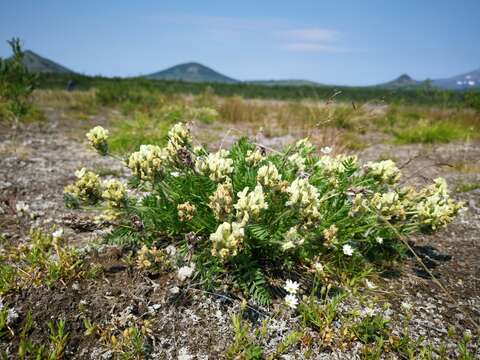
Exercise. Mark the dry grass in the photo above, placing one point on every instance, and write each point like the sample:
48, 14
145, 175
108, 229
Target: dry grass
83, 101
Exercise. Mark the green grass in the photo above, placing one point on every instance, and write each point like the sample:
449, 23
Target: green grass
428, 133
128, 135
466, 187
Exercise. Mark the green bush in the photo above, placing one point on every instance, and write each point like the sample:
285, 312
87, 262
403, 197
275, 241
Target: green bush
16, 84
248, 219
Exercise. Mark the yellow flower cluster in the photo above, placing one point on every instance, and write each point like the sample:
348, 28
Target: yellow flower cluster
250, 204
146, 163
298, 161
147, 258
268, 175
304, 146
178, 137
388, 205
332, 165
98, 139
292, 239
385, 171
306, 197
227, 239
87, 187
186, 211
435, 208
114, 192
330, 234
221, 201
254, 157
217, 165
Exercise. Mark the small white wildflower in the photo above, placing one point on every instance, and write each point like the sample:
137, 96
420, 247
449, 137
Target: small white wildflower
379, 240
318, 267
291, 286
369, 311
370, 284
57, 234
288, 245
22, 207
185, 272
347, 250
406, 306
175, 173
326, 150
291, 301
12, 316
171, 250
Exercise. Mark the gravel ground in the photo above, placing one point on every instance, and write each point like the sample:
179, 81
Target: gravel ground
40, 160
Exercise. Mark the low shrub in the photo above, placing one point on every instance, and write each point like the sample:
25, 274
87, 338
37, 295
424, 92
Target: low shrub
248, 218
16, 85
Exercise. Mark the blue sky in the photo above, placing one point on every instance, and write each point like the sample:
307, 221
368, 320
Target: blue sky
357, 42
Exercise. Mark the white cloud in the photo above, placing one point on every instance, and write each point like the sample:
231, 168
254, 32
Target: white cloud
312, 40
312, 35
313, 47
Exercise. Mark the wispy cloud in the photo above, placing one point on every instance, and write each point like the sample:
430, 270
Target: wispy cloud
313, 47
314, 35
312, 40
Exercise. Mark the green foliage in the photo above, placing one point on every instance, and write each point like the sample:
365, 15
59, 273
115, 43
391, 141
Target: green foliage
243, 346
16, 83
250, 218
431, 133
370, 328
140, 90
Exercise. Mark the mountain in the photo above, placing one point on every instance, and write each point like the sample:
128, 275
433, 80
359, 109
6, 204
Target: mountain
191, 72
403, 81
38, 64
460, 82
287, 82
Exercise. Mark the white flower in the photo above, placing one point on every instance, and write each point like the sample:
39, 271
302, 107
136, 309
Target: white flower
406, 306
22, 207
326, 150
369, 311
379, 240
288, 245
57, 234
171, 250
291, 301
12, 315
370, 284
318, 267
291, 286
185, 272
347, 250
175, 173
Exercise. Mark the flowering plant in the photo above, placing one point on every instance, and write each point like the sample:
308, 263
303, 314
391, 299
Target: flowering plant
244, 214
